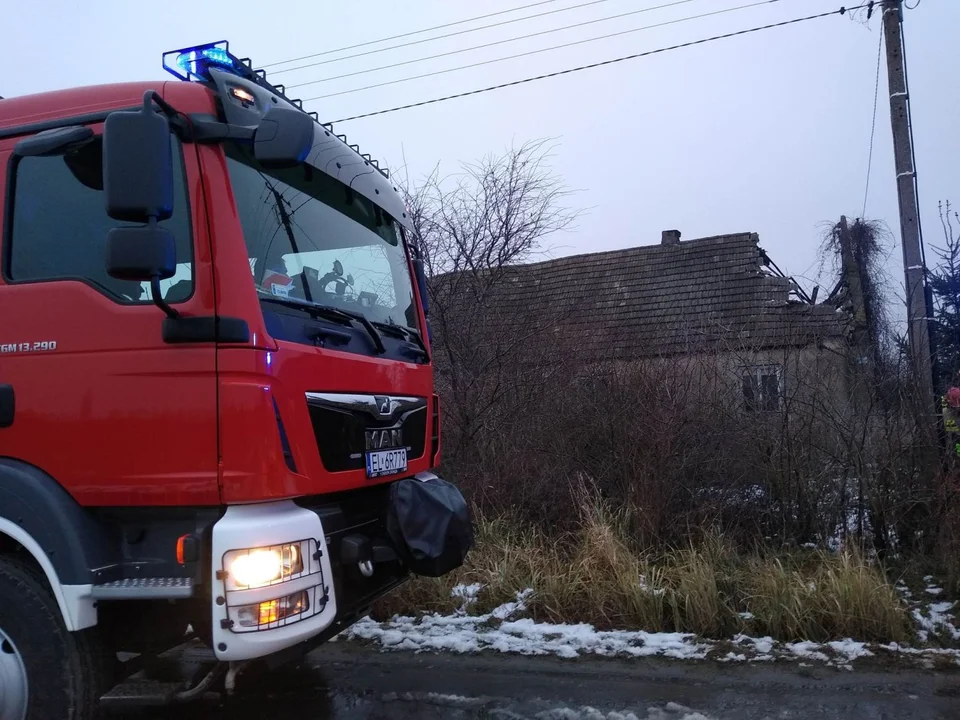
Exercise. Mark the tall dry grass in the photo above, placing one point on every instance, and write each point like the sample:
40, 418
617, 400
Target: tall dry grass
595, 575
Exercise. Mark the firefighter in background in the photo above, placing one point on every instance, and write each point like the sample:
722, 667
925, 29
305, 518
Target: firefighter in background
951, 415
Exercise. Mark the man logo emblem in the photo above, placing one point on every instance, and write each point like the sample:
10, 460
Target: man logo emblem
380, 439
383, 404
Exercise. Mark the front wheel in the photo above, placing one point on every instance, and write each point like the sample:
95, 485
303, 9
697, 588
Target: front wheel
46, 671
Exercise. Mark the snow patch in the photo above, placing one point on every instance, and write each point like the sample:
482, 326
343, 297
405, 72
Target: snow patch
733, 657
936, 618
648, 589
808, 650
671, 711
505, 630
496, 631
763, 645
850, 649
467, 594
512, 608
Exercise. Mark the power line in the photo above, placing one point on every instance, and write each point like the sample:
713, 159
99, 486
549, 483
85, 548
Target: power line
408, 34
603, 63
537, 52
454, 34
873, 127
493, 44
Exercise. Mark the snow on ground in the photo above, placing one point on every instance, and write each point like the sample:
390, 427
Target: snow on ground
501, 631
670, 711
937, 618
505, 630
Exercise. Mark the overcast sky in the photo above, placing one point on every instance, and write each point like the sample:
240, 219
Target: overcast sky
767, 132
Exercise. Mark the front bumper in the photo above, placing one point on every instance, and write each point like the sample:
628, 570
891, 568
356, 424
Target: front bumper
355, 546
263, 525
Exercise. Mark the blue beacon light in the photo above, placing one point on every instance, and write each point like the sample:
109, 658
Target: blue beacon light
195, 61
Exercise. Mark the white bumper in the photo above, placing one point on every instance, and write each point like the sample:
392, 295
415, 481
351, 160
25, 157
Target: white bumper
256, 526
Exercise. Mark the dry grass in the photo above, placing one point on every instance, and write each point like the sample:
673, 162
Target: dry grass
595, 576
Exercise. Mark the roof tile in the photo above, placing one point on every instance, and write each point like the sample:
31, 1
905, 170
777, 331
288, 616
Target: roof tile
654, 299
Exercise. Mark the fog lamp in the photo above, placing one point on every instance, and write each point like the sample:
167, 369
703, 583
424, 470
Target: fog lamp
273, 611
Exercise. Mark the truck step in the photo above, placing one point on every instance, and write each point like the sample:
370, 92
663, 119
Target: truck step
154, 588
136, 693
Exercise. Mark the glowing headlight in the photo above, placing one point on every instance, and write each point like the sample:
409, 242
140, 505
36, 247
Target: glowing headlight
261, 566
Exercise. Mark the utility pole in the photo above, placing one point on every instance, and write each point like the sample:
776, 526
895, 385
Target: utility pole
913, 267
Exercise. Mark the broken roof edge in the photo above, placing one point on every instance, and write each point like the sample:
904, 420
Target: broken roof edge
641, 249
636, 250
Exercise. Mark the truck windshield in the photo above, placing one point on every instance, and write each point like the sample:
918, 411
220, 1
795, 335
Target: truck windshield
311, 239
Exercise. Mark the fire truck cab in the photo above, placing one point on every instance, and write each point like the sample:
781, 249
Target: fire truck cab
218, 423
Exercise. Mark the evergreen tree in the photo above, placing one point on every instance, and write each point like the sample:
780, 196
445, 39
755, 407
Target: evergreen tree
945, 286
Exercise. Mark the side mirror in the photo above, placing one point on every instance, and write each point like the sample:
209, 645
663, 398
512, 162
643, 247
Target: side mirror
138, 165
283, 138
141, 253
138, 187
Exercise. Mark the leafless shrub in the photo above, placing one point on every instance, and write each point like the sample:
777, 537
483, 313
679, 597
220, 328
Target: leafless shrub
671, 443
680, 445
472, 228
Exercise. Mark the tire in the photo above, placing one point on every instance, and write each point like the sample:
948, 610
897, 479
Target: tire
64, 670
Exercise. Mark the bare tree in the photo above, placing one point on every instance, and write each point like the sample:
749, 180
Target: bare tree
471, 228
494, 213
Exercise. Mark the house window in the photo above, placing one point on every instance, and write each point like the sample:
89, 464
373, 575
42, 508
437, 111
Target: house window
762, 388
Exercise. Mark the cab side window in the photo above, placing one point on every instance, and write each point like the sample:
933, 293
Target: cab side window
60, 225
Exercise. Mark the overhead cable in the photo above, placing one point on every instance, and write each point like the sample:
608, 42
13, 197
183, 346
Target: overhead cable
409, 34
454, 34
528, 53
507, 40
602, 63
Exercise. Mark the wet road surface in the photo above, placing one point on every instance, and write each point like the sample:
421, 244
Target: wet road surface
344, 681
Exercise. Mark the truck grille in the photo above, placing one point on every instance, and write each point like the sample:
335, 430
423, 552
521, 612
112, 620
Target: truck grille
341, 423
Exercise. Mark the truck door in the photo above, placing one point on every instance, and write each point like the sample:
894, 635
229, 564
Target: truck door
97, 399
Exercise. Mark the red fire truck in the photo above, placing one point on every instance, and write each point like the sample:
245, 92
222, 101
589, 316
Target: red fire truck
217, 414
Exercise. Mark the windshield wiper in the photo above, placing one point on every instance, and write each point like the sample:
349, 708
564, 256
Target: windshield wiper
331, 313
405, 333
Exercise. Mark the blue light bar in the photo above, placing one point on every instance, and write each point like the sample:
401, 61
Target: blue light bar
197, 60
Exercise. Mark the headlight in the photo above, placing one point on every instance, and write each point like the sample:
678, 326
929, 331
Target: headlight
261, 566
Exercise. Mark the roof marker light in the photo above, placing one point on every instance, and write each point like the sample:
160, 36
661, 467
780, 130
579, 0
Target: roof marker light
195, 63
244, 97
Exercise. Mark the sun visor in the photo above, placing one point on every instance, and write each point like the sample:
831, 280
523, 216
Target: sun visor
245, 102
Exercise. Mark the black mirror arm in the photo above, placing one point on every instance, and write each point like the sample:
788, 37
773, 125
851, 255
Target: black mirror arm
212, 131
155, 292
152, 96
158, 299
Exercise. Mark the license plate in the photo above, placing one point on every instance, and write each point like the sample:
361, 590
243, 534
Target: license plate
386, 462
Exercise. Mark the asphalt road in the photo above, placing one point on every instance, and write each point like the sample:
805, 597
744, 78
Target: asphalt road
352, 682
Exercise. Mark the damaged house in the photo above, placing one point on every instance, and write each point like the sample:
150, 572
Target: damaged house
718, 297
